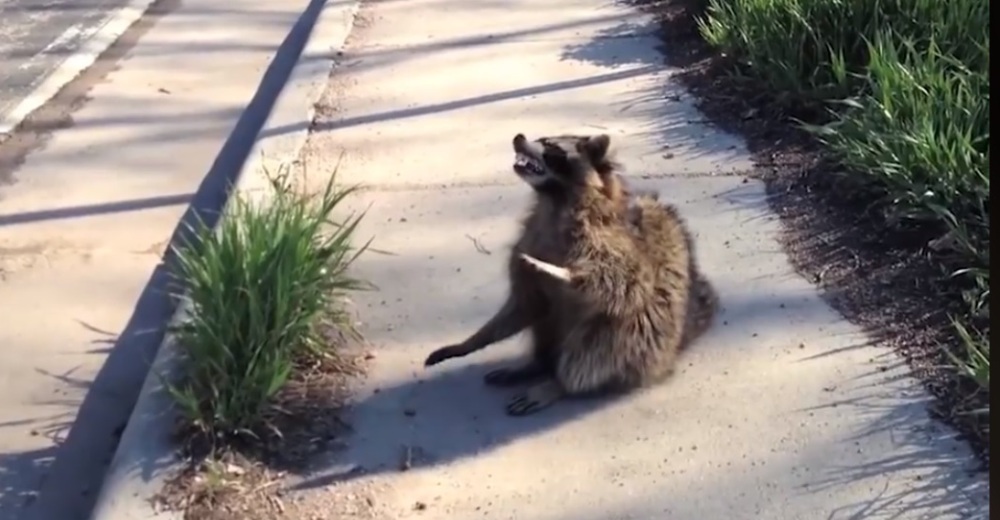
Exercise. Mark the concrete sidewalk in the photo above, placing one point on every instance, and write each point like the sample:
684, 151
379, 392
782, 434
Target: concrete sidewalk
172, 112
783, 411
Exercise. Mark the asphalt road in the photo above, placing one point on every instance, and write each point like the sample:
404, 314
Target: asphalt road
36, 36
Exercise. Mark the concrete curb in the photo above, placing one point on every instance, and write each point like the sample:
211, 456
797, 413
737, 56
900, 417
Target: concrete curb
102, 38
145, 454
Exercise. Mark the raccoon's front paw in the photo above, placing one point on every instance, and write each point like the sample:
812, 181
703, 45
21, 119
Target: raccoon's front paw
443, 354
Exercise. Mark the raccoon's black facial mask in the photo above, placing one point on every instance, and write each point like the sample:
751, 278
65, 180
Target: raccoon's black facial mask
549, 162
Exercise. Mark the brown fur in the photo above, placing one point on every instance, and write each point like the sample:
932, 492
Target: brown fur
645, 214
649, 217
622, 316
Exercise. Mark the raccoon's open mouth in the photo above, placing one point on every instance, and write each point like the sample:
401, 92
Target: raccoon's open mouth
525, 165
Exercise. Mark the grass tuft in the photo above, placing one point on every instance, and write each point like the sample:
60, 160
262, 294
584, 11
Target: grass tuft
260, 287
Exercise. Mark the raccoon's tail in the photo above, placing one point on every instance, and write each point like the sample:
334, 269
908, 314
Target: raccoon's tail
703, 305
661, 224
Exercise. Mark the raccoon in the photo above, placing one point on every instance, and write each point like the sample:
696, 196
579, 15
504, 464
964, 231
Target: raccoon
602, 283
526, 305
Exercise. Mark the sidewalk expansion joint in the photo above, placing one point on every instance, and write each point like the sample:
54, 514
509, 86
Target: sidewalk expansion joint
512, 181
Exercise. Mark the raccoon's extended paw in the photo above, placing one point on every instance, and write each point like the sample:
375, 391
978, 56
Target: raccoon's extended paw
535, 399
443, 354
560, 273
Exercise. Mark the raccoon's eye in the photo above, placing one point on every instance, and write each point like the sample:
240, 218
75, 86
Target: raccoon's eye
555, 161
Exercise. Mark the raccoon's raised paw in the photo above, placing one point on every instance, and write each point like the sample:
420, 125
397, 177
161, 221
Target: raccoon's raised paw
560, 273
443, 354
535, 399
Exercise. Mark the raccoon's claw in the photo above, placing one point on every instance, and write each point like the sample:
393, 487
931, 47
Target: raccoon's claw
534, 399
522, 404
560, 273
442, 354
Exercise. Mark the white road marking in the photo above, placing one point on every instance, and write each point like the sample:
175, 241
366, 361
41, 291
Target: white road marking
60, 41
93, 43
66, 36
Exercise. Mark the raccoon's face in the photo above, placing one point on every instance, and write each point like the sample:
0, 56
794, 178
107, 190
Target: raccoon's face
555, 163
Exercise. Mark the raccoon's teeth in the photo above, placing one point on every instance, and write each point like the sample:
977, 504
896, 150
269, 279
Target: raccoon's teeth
522, 160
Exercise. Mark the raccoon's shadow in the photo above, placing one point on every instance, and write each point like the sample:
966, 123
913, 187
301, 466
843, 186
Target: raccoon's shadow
442, 415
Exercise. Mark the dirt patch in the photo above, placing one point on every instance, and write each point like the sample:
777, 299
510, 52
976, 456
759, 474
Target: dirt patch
881, 277
248, 479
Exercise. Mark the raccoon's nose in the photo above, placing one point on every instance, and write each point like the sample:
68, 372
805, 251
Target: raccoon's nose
519, 139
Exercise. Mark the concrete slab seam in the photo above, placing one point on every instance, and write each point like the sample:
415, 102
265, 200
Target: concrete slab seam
413, 186
90, 50
126, 490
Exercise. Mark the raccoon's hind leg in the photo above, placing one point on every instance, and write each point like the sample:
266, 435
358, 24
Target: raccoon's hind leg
590, 361
545, 337
536, 398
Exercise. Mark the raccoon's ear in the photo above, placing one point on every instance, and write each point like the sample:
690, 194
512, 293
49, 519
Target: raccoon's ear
597, 146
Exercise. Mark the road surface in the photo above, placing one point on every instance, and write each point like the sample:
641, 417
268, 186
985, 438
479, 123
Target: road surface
36, 37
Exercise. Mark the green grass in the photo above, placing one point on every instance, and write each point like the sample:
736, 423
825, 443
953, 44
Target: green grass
907, 86
258, 287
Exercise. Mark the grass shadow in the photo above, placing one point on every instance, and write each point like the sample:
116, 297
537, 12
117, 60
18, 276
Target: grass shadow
669, 118
941, 479
21, 472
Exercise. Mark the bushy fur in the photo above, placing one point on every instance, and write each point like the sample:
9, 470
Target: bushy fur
620, 306
659, 227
